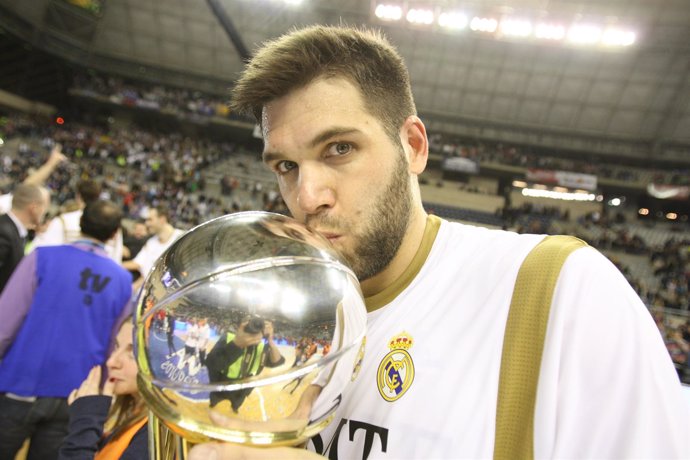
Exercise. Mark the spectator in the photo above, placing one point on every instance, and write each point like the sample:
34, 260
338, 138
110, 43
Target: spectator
57, 315
29, 206
133, 241
164, 234
37, 177
65, 227
92, 409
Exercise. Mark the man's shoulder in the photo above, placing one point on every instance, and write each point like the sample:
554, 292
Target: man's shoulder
71, 218
6, 221
471, 235
8, 229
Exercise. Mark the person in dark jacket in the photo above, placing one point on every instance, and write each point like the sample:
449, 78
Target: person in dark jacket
90, 410
241, 354
29, 206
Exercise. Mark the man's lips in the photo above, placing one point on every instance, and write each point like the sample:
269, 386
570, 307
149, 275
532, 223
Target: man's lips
331, 236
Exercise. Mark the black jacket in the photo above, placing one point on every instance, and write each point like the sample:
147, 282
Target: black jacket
87, 415
11, 248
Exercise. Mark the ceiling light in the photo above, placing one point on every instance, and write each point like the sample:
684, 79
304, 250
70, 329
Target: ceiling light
420, 16
389, 12
516, 27
584, 34
550, 31
540, 193
483, 24
618, 37
452, 20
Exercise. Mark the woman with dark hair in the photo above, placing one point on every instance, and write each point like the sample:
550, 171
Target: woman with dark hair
99, 429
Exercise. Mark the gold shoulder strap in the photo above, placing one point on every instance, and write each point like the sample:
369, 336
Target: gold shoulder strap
523, 345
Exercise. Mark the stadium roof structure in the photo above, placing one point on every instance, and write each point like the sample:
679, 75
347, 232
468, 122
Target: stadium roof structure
632, 101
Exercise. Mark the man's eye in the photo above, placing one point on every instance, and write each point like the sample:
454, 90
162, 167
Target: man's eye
340, 148
283, 167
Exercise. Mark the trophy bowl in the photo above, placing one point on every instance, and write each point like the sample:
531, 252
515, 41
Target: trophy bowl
237, 319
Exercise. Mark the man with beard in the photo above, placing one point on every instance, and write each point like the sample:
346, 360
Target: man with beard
342, 135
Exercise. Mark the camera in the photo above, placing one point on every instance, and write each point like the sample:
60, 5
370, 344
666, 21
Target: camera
254, 326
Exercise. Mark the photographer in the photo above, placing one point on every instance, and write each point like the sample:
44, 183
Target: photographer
240, 355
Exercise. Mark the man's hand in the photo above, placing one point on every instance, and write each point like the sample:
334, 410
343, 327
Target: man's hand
56, 156
91, 386
227, 451
268, 330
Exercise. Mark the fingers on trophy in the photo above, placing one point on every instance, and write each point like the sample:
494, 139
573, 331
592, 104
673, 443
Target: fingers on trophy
248, 329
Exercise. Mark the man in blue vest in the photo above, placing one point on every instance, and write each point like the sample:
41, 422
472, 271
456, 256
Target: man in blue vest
241, 354
57, 315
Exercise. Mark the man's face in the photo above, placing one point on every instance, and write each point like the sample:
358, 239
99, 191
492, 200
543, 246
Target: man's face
140, 230
339, 172
39, 210
153, 222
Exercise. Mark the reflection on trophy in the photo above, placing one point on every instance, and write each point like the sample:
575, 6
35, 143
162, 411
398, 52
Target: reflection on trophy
237, 324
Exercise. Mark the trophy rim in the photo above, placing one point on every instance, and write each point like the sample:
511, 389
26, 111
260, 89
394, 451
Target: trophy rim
197, 432
238, 269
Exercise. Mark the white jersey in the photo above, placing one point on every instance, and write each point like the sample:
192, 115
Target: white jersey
152, 249
66, 228
193, 336
5, 203
428, 383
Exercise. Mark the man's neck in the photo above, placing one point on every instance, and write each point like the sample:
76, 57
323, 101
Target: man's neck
91, 239
165, 233
403, 258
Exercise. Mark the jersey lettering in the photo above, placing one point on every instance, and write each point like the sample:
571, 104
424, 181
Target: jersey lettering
95, 287
97, 284
370, 432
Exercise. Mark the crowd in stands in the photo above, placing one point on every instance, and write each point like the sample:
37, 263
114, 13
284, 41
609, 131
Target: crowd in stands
486, 152
150, 96
141, 169
666, 286
183, 101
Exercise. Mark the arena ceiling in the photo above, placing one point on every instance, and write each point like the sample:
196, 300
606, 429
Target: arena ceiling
632, 101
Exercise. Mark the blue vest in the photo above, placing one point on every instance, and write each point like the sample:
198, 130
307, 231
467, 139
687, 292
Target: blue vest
68, 328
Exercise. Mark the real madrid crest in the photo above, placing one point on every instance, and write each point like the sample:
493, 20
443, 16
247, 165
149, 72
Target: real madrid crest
396, 371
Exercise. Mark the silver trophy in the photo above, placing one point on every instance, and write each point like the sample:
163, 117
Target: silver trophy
237, 321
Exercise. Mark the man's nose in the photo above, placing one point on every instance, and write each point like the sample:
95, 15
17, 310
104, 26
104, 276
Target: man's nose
315, 191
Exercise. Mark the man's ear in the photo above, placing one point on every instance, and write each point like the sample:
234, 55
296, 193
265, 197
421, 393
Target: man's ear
416, 144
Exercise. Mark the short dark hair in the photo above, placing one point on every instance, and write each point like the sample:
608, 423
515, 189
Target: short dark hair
363, 57
101, 219
89, 190
162, 211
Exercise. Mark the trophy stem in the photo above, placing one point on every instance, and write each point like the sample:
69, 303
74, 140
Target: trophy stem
163, 443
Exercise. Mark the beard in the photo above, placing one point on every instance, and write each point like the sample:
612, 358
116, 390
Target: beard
385, 226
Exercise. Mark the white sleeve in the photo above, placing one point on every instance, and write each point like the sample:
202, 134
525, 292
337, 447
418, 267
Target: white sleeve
5, 203
53, 235
607, 386
114, 247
